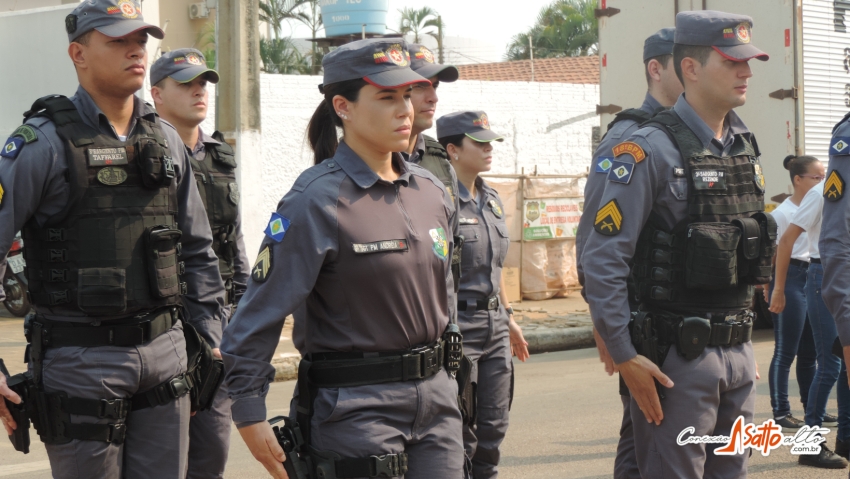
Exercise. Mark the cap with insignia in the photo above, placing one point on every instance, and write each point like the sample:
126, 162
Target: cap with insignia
659, 43
729, 34
113, 18
422, 62
383, 62
473, 124
182, 66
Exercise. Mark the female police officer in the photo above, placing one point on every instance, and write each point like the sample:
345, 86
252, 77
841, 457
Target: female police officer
361, 248
484, 314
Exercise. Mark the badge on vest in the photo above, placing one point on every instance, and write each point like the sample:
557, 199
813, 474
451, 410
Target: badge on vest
234, 193
495, 208
277, 228
12, 147
758, 178
630, 148
441, 244
467, 221
603, 164
621, 172
380, 246
840, 145
609, 219
107, 156
709, 179
833, 189
112, 175
261, 269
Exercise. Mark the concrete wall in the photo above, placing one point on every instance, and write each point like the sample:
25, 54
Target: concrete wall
181, 31
527, 114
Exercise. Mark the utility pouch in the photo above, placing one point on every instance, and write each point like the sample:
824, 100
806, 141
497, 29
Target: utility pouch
155, 163
207, 370
711, 256
759, 253
19, 383
162, 245
102, 290
693, 336
467, 396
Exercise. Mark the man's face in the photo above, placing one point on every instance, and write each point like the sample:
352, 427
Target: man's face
424, 100
182, 103
724, 81
114, 66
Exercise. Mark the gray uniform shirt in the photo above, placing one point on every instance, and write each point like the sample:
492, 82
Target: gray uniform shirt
656, 185
834, 241
363, 265
241, 266
35, 187
595, 184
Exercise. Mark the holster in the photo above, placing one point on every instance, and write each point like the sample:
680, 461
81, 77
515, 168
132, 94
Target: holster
20, 383
457, 253
647, 342
207, 371
467, 392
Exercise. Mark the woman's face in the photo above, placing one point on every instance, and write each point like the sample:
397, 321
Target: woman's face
473, 156
381, 117
814, 175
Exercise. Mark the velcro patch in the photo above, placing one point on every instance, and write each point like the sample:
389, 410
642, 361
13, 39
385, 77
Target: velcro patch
603, 164
709, 179
380, 246
467, 221
263, 266
12, 147
839, 145
630, 148
277, 228
833, 189
27, 133
609, 219
107, 156
621, 172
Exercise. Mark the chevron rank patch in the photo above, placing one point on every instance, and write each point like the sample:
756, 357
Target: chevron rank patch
833, 189
609, 219
839, 145
621, 172
263, 266
630, 148
603, 164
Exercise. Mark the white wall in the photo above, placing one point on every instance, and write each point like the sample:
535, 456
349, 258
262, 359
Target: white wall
521, 111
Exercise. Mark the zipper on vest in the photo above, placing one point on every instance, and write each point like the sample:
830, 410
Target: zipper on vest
404, 211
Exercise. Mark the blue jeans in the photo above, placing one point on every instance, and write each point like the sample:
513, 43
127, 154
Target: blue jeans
824, 333
793, 338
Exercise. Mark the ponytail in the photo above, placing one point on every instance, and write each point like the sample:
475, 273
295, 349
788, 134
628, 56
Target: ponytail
321, 131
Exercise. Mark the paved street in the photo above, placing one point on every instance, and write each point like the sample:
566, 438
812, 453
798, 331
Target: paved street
564, 422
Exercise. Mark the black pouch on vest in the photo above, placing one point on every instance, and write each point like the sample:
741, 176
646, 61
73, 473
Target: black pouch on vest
711, 256
162, 244
694, 333
102, 290
155, 163
758, 265
207, 370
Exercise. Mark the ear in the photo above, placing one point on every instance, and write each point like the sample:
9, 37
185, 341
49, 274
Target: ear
654, 70
156, 94
451, 149
690, 67
341, 105
77, 54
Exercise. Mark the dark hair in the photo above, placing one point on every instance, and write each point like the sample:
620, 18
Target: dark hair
798, 165
321, 131
699, 53
664, 60
84, 38
456, 140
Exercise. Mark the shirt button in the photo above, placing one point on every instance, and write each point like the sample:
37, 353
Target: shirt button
331, 164
477, 235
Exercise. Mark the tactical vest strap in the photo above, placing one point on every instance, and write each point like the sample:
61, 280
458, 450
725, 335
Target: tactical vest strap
634, 114
733, 209
433, 147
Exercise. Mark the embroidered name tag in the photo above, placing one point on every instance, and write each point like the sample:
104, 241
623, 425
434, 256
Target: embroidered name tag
107, 156
709, 179
468, 221
380, 246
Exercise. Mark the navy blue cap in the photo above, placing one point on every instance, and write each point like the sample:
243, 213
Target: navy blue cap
659, 43
113, 18
183, 66
729, 34
473, 124
383, 62
422, 62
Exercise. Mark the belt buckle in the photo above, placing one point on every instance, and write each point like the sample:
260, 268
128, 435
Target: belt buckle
178, 387
386, 464
117, 432
428, 362
113, 408
493, 303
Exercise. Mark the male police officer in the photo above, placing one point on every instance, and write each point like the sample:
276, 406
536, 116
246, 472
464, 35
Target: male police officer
679, 192
179, 80
117, 240
663, 88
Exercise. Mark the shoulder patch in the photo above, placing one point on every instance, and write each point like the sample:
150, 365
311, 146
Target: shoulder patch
609, 219
263, 266
630, 148
277, 228
603, 164
12, 147
833, 189
839, 145
315, 172
27, 133
621, 172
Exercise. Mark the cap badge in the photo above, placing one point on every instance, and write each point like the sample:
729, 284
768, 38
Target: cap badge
128, 9
482, 121
427, 55
396, 55
193, 59
742, 32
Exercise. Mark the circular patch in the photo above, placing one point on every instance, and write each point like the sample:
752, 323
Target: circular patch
397, 56
482, 122
128, 9
742, 32
112, 176
193, 59
427, 55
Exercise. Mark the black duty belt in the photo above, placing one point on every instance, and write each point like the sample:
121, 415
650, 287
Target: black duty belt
815, 260
491, 303
726, 329
132, 332
800, 264
337, 370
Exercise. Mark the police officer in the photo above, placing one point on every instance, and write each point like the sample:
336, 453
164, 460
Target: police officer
117, 240
179, 91
679, 192
359, 250
663, 88
485, 317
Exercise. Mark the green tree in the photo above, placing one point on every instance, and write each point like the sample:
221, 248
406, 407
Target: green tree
415, 21
565, 28
311, 17
205, 42
280, 55
274, 12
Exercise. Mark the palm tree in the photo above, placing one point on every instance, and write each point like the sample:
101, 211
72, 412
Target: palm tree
565, 28
280, 55
313, 20
414, 21
274, 12
205, 42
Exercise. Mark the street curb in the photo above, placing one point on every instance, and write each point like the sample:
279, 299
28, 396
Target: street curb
286, 369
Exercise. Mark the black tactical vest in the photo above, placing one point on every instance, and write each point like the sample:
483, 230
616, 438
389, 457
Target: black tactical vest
216, 179
635, 114
113, 250
707, 263
436, 160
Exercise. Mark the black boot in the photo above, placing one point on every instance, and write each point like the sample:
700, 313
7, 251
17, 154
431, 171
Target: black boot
842, 448
826, 459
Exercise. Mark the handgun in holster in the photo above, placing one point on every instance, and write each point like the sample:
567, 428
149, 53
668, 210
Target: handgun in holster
20, 383
645, 340
297, 464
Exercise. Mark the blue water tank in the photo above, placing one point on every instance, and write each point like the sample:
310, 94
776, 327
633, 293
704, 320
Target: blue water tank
346, 17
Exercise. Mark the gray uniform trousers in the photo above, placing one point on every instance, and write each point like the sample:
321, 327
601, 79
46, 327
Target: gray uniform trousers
709, 394
625, 463
209, 439
486, 341
418, 417
157, 440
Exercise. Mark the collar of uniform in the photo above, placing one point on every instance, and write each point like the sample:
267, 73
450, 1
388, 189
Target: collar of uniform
465, 196
650, 104
418, 150
203, 140
96, 118
732, 125
359, 171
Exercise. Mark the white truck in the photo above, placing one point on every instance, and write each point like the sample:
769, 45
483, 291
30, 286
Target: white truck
793, 100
